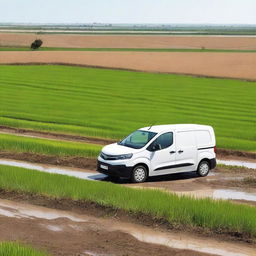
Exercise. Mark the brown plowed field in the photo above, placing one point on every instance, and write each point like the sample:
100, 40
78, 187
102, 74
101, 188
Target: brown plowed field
230, 65
131, 41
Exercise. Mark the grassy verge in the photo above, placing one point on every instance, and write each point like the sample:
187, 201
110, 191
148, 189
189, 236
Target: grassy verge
207, 214
122, 49
14, 143
113, 103
15, 249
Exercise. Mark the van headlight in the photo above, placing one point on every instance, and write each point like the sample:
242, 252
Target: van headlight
122, 157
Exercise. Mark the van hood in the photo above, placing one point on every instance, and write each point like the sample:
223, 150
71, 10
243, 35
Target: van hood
115, 149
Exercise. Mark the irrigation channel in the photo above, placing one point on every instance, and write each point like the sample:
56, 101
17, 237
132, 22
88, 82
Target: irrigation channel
68, 226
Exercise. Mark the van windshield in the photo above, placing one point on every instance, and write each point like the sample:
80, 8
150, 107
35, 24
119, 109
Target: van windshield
137, 139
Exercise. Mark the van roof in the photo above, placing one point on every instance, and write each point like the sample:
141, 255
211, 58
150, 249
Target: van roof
172, 127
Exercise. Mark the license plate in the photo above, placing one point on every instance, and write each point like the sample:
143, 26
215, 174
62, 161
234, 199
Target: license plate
104, 167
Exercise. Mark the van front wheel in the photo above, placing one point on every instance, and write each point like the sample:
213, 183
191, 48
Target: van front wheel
203, 169
139, 174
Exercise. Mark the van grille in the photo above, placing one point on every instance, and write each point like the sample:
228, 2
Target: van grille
108, 157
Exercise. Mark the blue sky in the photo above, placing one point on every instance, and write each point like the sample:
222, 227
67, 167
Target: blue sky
129, 11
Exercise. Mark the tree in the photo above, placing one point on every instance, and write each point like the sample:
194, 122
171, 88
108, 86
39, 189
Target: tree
36, 44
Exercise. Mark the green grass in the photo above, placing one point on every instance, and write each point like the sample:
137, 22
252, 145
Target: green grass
47, 147
113, 103
122, 49
15, 249
218, 216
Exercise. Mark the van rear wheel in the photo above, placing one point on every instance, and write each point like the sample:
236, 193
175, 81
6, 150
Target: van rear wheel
139, 174
203, 169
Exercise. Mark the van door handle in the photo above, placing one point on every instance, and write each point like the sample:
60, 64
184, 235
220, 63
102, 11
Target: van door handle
180, 151
172, 152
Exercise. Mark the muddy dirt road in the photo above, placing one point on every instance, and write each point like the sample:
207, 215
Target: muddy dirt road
130, 41
212, 64
70, 233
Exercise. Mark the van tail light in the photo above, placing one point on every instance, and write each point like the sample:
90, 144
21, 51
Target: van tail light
215, 149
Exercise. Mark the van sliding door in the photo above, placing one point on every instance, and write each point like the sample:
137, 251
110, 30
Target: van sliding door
186, 151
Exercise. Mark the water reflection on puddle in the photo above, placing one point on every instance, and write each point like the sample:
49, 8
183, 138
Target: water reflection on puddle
237, 163
52, 169
15, 210
234, 195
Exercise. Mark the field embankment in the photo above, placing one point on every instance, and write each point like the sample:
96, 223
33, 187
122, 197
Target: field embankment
210, 64
105, 103
131, 41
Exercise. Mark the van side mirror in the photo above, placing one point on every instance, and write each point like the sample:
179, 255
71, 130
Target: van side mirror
154, 147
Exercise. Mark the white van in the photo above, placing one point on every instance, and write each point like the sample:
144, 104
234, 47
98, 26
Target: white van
160, 150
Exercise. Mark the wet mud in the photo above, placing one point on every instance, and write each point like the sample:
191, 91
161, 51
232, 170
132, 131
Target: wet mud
71, 233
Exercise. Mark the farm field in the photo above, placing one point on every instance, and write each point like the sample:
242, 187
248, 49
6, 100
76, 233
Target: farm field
111, 104
69, 113
14, 143
122, 49
209, 64
131, 41
186, 212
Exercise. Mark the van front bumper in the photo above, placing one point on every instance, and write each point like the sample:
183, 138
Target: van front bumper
121, 171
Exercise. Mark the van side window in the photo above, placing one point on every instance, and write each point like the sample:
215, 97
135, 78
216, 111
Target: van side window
165, 140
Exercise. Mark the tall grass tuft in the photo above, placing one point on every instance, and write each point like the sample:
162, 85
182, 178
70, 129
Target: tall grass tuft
16, 249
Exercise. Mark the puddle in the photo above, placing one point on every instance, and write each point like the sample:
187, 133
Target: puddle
53, 169
16, 210
175, 240
54, 228
181, 243
234, 195
225, 194
237, 163
89, 253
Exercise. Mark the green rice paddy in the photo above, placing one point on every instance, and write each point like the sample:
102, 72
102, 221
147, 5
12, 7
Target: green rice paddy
113, 103
16, 249
47, 147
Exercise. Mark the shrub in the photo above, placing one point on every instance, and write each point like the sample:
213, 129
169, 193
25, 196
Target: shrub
36, 44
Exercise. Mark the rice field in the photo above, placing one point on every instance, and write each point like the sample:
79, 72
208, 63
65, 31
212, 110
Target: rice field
16, 249
47, 147
112, 103
208, 214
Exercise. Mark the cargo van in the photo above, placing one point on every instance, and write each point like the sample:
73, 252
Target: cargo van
160, 150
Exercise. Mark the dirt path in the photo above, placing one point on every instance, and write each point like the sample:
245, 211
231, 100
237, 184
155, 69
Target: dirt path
208, 64
77, 233
131, 41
